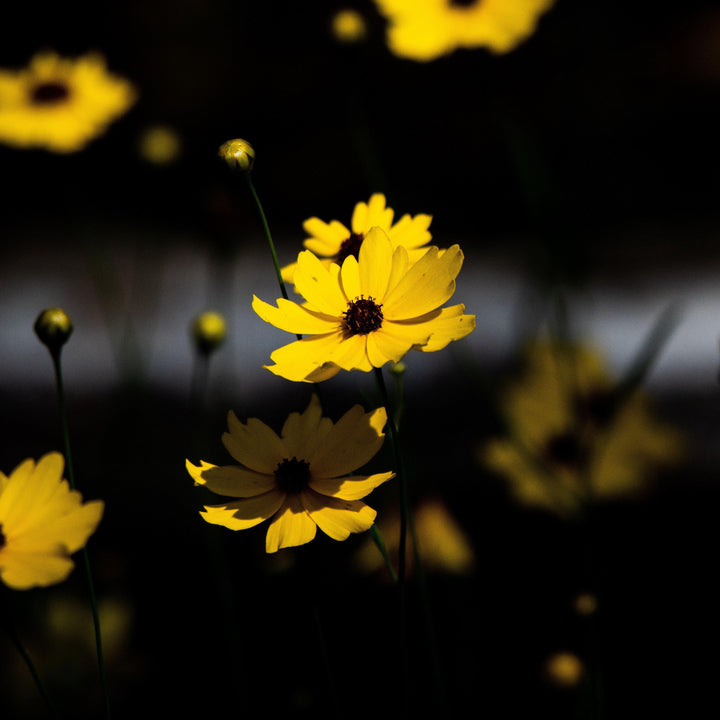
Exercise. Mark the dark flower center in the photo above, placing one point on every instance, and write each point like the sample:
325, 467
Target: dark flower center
362, 316
349, 247
464, 3
565, 449
49, 93
597, 407
292, 475
3, 539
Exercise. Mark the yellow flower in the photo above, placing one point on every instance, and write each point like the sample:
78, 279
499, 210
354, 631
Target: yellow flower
564, 669
299, 478
334, 242
426, 29
60, 104
571, 444
348, 26
42, 522
371, 311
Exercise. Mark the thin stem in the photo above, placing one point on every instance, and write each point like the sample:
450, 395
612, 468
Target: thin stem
86, 558
377, 539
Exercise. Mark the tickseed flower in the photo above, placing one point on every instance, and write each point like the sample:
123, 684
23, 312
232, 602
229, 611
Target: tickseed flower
370, 312
60, 104
208, 331
572, 444
239, 155
348, 26
298, 479
53, 327
424, 30
42, 522
333, 242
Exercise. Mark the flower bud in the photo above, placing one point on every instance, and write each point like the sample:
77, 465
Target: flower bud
238, 154
53, 326
208, 330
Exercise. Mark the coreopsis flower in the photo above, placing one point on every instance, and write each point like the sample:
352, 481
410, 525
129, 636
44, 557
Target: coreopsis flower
42, 523
368, 312
299, 479
333, 241
572, 441
424, 30
60, 104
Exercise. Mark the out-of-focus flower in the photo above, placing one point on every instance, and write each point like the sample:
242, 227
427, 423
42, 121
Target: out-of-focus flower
348, 26
333, 242
53, 327
370, 312
571, 443
160, 145
42, 522
239, 155
564, 669
208, 331
426, 29
585, 604
60, 104
443, 545
298, 479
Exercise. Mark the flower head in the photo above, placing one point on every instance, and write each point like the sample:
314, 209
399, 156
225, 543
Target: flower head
239, 155
298, 479
53, 327
60, 104
348, 26
572, 441
368, 312
208, 331
42, 522
333, 241
426, 29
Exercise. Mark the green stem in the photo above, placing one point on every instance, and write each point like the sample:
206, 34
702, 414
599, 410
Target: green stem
86, 558
377, 539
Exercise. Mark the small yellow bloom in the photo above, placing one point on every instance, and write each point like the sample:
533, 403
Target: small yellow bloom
426, 29
570, 444
42, 522
370, 312
348, 26
239, 155
208, 331
298, 479
333, 242
564, 669
160, 145
60, 104
54, 328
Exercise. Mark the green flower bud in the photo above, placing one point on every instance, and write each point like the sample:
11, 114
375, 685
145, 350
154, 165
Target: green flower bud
53, 326
209, 331
238, 154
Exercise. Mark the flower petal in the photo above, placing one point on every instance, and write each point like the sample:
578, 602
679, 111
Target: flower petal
375, 264
450, 324
385, 345
291, 527
230, 480
325, 238
350, 278
350, 487
303, 431
338, 518
294, 318
254, 444
411, 232
306, 360
374, 213
246, 513
318, 283
24, 570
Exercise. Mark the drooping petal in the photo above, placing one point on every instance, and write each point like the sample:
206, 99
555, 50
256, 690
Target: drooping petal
291, 527
246, 513
294, 318
451, 324
254, 444
373, 213
325, 238
350, 487
306, 360
318, 284
354, 439
338, 518
230, 480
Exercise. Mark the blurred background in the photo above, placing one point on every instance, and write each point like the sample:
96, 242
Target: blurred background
585, 159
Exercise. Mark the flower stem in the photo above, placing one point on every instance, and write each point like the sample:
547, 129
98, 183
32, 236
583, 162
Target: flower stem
55, 354
377, 539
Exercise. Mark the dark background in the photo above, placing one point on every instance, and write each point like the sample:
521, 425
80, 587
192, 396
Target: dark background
589, 150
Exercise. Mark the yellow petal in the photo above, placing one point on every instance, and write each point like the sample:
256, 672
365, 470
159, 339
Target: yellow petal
375, 264
254, 444
294, 318
246, 513
325, 238
448, 325
306, 360
338, 518
374, 213
303, 431
353, 441
291, 527
352, 487
230, 480
350, 278
318, 283
25, 570
386, 345
411, 232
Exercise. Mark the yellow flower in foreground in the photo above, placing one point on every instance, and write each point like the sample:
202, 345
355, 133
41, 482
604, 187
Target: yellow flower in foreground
371, 311
60, 104
570, 443
426, 29
42, 522
334, 242
299, 478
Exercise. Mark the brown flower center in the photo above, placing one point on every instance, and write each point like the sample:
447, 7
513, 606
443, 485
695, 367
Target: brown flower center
363, 316
463, 3
565, 449
49, 93
349, 247
293, 475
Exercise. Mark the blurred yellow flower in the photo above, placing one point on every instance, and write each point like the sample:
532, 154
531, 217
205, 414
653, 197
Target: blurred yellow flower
208, 331
160, 144
60, 104
42, 522
426, 29
443, 545
564, 669
348, 26
370, 312
333, 242
299, 478
569, 443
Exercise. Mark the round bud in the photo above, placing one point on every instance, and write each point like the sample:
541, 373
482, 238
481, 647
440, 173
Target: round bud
238, 154
209, 331
53, 326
